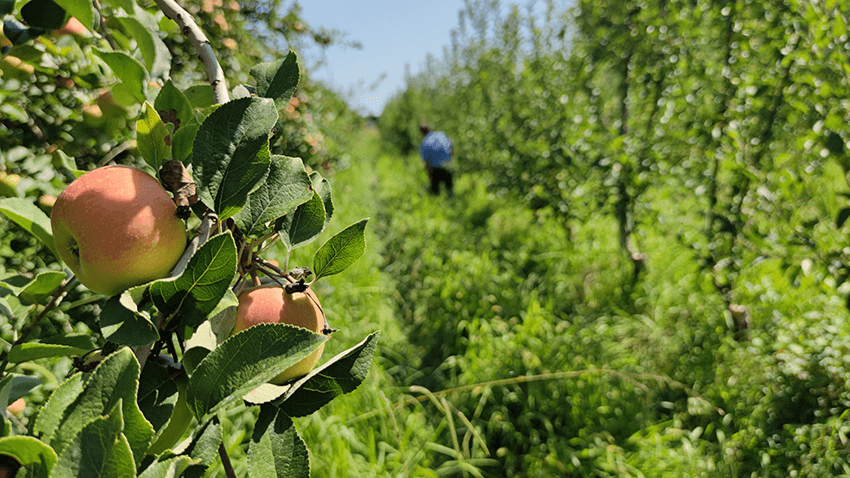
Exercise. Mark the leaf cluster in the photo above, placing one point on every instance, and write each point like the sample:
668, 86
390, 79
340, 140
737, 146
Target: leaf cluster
171, 334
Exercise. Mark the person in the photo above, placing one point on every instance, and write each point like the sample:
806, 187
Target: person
436, 151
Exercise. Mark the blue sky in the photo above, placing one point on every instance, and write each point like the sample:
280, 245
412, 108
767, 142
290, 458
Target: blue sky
392, 33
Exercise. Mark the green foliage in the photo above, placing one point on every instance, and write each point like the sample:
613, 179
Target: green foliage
665, 187
155, 372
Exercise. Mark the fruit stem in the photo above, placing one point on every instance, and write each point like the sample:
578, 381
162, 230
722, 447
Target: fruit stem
272, 238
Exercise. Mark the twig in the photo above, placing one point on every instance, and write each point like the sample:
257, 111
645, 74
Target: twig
225, 461
205, 52
201, 236
102, 26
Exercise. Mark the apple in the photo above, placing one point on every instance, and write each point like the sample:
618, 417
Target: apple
16, 68
274, 305
9, 184
46, 201
93, 115
73, 27
116, 227
17, 407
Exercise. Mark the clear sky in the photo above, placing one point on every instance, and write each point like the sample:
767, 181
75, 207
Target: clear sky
392, 32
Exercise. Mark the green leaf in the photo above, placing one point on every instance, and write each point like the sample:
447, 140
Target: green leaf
34, 351
200, 96
286, 187
51, 414
115, 380
69, 163
173, 105
341, 250
246, 360
275, 449
340, 375
6, 309
842, 217
7, 7
83, 10
122, 323
183, 140
152, 138
27, 215
304, 225
277, 80
211, 332
323, 188
130, 72
154, 52
231, 153
99, 449
34, 290
44, 14
126, 5
158, 393
14, 386
38, 458
205, 442
198, 290
170, 468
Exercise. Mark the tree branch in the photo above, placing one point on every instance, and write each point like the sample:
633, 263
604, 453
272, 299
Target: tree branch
205, 52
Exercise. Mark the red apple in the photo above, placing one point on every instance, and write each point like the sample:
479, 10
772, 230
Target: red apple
274, 305
116, 227
73, 27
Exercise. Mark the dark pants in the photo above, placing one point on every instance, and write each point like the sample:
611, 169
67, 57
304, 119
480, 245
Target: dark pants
440, 175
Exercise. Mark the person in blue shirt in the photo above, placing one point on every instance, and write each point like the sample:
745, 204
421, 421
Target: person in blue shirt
436, 151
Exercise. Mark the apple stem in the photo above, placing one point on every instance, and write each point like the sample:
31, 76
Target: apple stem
272, 238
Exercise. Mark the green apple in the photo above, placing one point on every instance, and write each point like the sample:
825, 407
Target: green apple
116, 227
274, 305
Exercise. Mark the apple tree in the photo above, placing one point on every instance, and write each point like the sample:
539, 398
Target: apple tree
160, 365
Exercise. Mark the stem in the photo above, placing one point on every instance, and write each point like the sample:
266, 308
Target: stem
54, 301
142, 353
205, 52
102, 26
201, 236
272, 239
225, 461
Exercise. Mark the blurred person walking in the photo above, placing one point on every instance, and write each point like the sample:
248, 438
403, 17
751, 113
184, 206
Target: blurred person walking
436, 151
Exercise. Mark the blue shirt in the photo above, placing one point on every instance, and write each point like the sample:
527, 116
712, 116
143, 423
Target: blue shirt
436, 149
